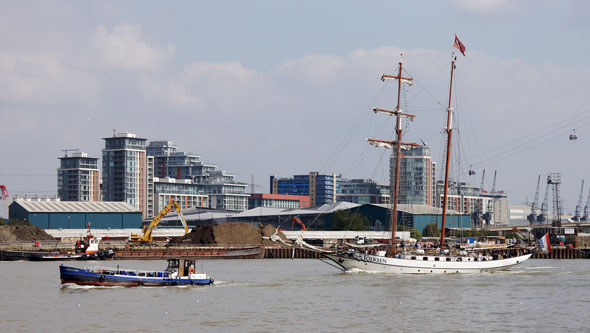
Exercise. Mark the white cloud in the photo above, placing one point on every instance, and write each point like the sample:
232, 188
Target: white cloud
485, 6
174, 93
124, 48
219, 71
317, 69
34, 78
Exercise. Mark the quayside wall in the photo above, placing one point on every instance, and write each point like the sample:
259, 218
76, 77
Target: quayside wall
563, 253
288, 253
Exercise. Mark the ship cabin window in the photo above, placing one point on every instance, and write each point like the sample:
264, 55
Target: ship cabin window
448, 259
172, 263
425, 258
437, 259
413, 257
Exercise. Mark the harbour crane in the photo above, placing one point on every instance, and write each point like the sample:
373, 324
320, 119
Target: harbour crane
494, 182
488, 216
586, 215
578, 213
476, 216
544, 211
533, 215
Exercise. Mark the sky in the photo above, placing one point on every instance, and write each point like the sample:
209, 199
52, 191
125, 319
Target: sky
263, 88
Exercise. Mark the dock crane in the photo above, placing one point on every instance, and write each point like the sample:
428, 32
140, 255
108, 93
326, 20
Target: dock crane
476, 215
586, 215
544, 211
483, 175
147, 230
578, 213
533, 215
490, 213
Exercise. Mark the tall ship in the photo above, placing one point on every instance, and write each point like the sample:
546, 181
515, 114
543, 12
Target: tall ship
443, 260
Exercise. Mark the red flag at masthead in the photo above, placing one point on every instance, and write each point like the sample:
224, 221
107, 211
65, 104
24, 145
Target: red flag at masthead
459, 45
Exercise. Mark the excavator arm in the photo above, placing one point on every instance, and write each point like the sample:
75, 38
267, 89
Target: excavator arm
181, 216
147, 230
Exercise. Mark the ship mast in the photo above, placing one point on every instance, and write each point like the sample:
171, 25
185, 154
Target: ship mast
449, 131
397, 145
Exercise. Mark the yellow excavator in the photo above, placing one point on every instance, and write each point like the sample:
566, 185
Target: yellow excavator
147, 230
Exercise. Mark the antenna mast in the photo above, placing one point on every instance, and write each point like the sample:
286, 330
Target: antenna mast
398, 145
554, 179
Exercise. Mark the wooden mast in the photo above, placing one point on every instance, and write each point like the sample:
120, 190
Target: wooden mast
449, 130
397, 144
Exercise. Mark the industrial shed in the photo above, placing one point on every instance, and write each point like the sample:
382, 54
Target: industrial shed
75, 214
413, 216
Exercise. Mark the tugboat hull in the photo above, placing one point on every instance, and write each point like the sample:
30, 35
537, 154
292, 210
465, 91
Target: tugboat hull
126, 278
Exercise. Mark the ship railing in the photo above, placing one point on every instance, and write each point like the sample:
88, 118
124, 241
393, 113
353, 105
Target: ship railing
127, 272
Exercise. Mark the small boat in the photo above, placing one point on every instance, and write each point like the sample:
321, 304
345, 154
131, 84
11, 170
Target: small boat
86, 249
179, 272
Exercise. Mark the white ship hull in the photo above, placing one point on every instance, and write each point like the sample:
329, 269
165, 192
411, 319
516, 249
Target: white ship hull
422, 264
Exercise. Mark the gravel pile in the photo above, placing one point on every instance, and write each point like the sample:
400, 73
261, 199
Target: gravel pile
228, 233
22, 233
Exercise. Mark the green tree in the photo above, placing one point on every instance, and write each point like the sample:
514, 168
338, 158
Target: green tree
414, 233
431, 230
345, 220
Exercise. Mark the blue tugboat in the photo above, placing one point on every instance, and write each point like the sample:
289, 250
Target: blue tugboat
179, 272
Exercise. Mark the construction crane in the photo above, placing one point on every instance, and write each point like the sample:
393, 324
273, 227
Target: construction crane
586, 215
533, 215
147, 230
544, 211
578, 213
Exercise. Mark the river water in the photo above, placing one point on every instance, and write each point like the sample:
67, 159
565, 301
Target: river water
302, 295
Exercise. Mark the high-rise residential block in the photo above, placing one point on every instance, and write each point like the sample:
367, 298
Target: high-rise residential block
124, 170
416, 176
321, 189
78, 178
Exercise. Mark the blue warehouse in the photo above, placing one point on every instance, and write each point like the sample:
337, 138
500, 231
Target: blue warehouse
75, 214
